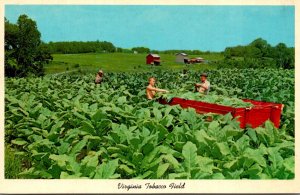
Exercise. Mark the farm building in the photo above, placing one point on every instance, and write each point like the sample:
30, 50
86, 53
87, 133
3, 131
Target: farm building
153, 59
182, 58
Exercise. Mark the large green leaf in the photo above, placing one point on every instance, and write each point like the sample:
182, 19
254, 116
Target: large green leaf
233, 164
220, 150
275, 158
252, 135
145, 175
127, 170
178, 175
87, 127
106, 170
162, 169
157, 113
99, 115
218, 176
65, 175
236, 174
19, 141
189, 153
213, 125
60, 159
150, 157
206, 164
171, 160
254, 171
122, 100
289, 164
256, 156
78, 147
137, 158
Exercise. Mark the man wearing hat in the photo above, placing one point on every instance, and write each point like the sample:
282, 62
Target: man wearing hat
99, 77
204, 86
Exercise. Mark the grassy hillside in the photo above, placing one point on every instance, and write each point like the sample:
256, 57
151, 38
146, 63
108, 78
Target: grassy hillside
117, 62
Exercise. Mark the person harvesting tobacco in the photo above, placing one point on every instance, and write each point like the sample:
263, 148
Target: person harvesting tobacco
204, 86
99, 77
151, 89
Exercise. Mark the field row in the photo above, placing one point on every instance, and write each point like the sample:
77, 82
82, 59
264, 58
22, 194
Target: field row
67, 127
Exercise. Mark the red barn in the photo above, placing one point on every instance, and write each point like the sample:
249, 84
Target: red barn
153, 59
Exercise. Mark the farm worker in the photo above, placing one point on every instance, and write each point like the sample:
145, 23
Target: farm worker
99, 77
151, 90
204, 86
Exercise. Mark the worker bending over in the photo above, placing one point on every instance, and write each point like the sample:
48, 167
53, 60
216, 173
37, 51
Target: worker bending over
151, 89
99, 77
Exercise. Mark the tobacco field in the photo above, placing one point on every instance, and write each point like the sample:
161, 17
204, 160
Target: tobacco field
65, 126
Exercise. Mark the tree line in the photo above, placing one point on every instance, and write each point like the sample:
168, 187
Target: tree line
189, 52
258, 54
26, 54
75, 47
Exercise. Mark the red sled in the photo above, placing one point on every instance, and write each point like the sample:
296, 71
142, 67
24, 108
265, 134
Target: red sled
253, 116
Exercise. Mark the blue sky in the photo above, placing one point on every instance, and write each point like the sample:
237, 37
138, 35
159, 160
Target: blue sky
162, 27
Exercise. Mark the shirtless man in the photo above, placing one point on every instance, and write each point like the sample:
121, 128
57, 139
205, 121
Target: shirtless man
204, 86
151, 90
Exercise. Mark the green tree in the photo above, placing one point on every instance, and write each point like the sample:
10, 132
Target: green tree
227, 53
284, 56
262, 45
10, 44
81, 47
252, 52
260, 54
24, 54
155, 51
141, 49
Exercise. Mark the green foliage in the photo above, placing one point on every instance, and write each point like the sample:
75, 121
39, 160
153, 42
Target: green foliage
259, 54
68, 127
14, 163
74, 47
24, 53
214, 99
284, 56
141, 49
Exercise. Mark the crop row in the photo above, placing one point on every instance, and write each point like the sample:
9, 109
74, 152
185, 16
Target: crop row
68, 127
